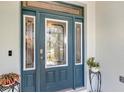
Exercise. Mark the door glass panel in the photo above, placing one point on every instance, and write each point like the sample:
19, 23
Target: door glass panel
78, 42
29, 42
56, 38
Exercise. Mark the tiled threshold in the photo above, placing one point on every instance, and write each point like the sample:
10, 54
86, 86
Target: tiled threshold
81, 89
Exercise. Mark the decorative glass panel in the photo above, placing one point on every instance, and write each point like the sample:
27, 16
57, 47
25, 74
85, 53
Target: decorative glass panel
78, 36
29, 42
56, 42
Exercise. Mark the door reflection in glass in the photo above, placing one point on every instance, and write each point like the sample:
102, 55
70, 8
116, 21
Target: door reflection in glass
55, 42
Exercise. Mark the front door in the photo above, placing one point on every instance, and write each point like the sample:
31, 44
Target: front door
55, 45
52, 52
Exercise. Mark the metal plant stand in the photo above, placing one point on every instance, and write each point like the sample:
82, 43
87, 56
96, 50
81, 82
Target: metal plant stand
11, 88
91, 76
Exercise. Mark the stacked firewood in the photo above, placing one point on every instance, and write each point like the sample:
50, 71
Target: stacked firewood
8, 79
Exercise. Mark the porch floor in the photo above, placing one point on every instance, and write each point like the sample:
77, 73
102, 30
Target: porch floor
81, 89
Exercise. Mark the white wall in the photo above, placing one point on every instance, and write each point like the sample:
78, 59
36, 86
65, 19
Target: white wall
9, 37
90, 36
110, 43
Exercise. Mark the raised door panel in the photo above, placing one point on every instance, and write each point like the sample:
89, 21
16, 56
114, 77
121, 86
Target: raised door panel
29, 83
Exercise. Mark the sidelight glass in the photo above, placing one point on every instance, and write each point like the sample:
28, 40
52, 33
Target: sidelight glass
78, 42
56, 42
29, 42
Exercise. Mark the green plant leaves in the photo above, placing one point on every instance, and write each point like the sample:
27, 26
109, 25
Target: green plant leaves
92, 63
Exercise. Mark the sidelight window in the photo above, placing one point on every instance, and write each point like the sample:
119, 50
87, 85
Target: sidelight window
78, 43
29, 42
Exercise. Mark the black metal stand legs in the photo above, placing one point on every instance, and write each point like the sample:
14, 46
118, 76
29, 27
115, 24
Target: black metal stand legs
12, 88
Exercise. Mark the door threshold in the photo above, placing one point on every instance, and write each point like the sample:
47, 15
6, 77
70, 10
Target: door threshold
80, 89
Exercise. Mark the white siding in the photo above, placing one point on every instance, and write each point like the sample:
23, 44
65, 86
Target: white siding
110, 43
9, 37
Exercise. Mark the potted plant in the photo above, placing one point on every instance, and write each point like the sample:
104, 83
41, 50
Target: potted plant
93, 65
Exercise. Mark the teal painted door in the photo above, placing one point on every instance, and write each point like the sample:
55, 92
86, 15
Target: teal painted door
55, 46
28, 51
52, 54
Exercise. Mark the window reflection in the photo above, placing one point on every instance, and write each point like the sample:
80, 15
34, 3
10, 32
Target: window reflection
55, 42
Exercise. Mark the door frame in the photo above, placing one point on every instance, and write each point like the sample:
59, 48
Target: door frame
37, 16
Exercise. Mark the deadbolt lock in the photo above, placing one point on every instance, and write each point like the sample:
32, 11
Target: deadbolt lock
41, 51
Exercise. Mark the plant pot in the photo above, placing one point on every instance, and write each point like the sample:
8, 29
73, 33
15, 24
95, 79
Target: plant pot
94, 69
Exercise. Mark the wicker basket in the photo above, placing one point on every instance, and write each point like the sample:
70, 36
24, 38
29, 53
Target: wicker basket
8, 79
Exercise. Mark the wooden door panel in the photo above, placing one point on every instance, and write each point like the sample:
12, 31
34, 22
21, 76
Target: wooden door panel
58, 78
29, 81
79, 77
50, 77
63, 75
